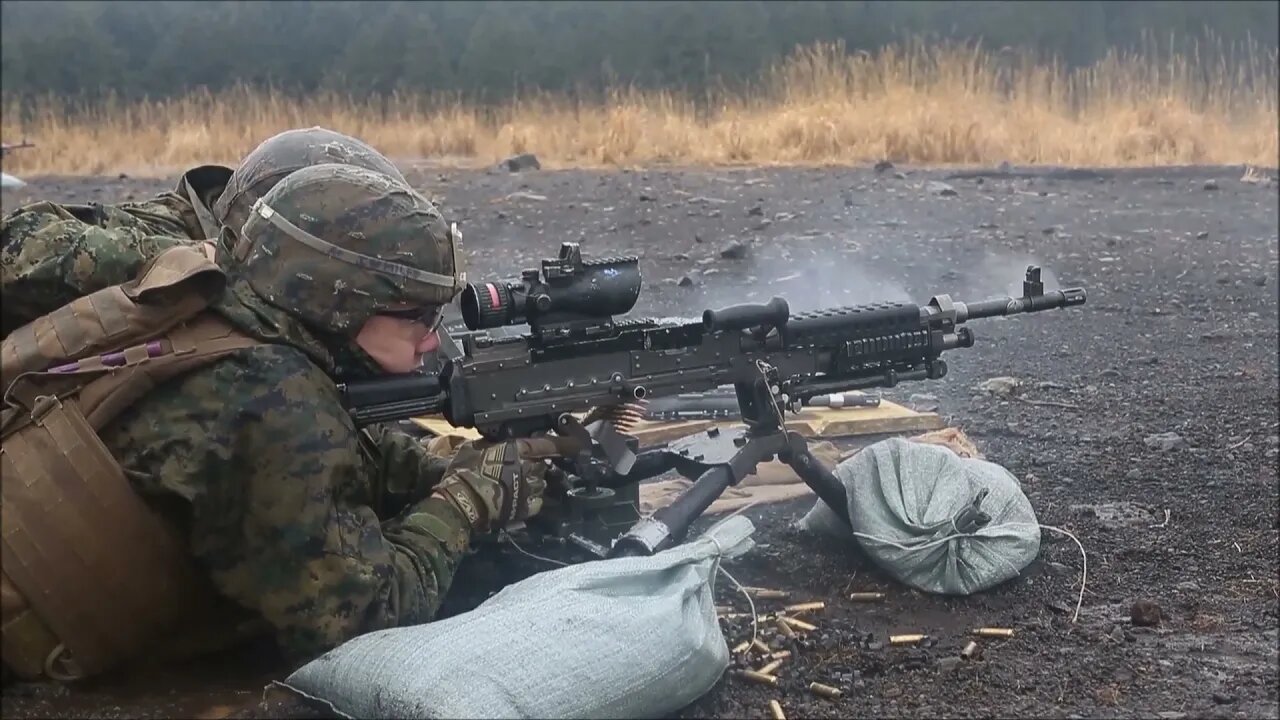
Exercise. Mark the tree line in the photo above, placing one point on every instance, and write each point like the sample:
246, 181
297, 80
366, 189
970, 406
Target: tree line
488, 51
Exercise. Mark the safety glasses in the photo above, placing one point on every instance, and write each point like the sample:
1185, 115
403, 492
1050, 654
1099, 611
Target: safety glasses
430, 317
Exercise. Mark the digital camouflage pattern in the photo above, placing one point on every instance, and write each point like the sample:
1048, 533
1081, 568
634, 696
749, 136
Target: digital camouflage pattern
325, 531
51, 254
280, 155
334, 244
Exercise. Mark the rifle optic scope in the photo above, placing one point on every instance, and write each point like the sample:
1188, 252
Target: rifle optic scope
568, 290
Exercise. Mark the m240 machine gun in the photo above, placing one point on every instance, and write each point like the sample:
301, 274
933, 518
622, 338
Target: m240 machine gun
578, 356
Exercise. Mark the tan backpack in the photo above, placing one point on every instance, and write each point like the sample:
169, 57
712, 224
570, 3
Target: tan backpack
92, 575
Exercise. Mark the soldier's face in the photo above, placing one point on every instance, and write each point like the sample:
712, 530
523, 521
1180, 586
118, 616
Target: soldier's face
399, 342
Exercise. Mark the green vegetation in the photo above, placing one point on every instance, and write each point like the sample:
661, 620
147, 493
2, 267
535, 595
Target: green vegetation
488, 51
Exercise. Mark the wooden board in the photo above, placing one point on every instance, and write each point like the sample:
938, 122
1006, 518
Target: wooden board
889, 417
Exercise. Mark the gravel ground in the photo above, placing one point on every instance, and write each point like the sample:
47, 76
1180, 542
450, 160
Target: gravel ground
1146, 423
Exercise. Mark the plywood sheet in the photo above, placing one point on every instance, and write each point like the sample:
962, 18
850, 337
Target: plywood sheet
888, 417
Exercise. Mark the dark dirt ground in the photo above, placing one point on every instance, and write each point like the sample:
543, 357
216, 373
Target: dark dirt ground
1179, 335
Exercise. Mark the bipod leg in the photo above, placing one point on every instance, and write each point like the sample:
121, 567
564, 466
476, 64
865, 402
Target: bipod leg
669, 525
821, 480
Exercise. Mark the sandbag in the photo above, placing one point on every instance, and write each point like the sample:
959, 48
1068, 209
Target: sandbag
912, 508
628, 637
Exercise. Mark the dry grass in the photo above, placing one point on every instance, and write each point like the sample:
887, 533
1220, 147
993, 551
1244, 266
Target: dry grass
916, 104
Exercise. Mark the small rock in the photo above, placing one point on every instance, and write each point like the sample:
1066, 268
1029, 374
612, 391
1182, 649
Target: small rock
763, 224
756, 211
735, 250
680, 256
899, 176
1260, 280
1165, 442
685, 281
1210, 185
646, 197
1110, 373
1145, 613
923, 403
1187, 586
1049, 230
1171, 715
1202, 235
1001, 386
122, 176
1117, 633
1134, 474
524, 161
948, 664
1223, 698
940, 189
883, 165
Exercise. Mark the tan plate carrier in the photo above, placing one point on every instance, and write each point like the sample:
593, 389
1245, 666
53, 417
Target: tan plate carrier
93, 577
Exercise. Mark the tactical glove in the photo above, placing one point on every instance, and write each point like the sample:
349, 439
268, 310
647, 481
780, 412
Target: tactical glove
496, 483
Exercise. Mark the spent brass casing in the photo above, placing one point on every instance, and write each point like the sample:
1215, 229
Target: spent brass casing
784, 628
776, 710
994, 632
905, 639
970, 651
759, 645
804, 607
797, 624
764, 594
761, 678
741, 646
824, 690
866, 596
768, 669
780, 655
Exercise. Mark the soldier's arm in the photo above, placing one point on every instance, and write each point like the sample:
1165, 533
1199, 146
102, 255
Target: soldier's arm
282, 506
405, 472
50, 255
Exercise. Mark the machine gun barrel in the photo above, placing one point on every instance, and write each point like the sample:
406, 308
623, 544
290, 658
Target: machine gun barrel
1015, 306
1034, 299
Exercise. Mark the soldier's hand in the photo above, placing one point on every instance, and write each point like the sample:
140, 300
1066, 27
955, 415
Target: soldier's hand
496, 483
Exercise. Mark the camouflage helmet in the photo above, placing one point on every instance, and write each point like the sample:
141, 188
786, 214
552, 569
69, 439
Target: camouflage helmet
281, 154
335, 244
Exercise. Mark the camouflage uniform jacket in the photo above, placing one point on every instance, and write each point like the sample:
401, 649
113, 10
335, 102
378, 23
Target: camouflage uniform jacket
324, 531
51, 254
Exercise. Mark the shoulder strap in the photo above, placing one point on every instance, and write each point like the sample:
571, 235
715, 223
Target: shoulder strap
107, 384
173, 287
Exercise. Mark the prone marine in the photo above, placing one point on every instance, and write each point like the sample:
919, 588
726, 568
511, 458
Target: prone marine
179, 470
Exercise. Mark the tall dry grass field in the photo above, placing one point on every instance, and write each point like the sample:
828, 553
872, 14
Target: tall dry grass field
915, 104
